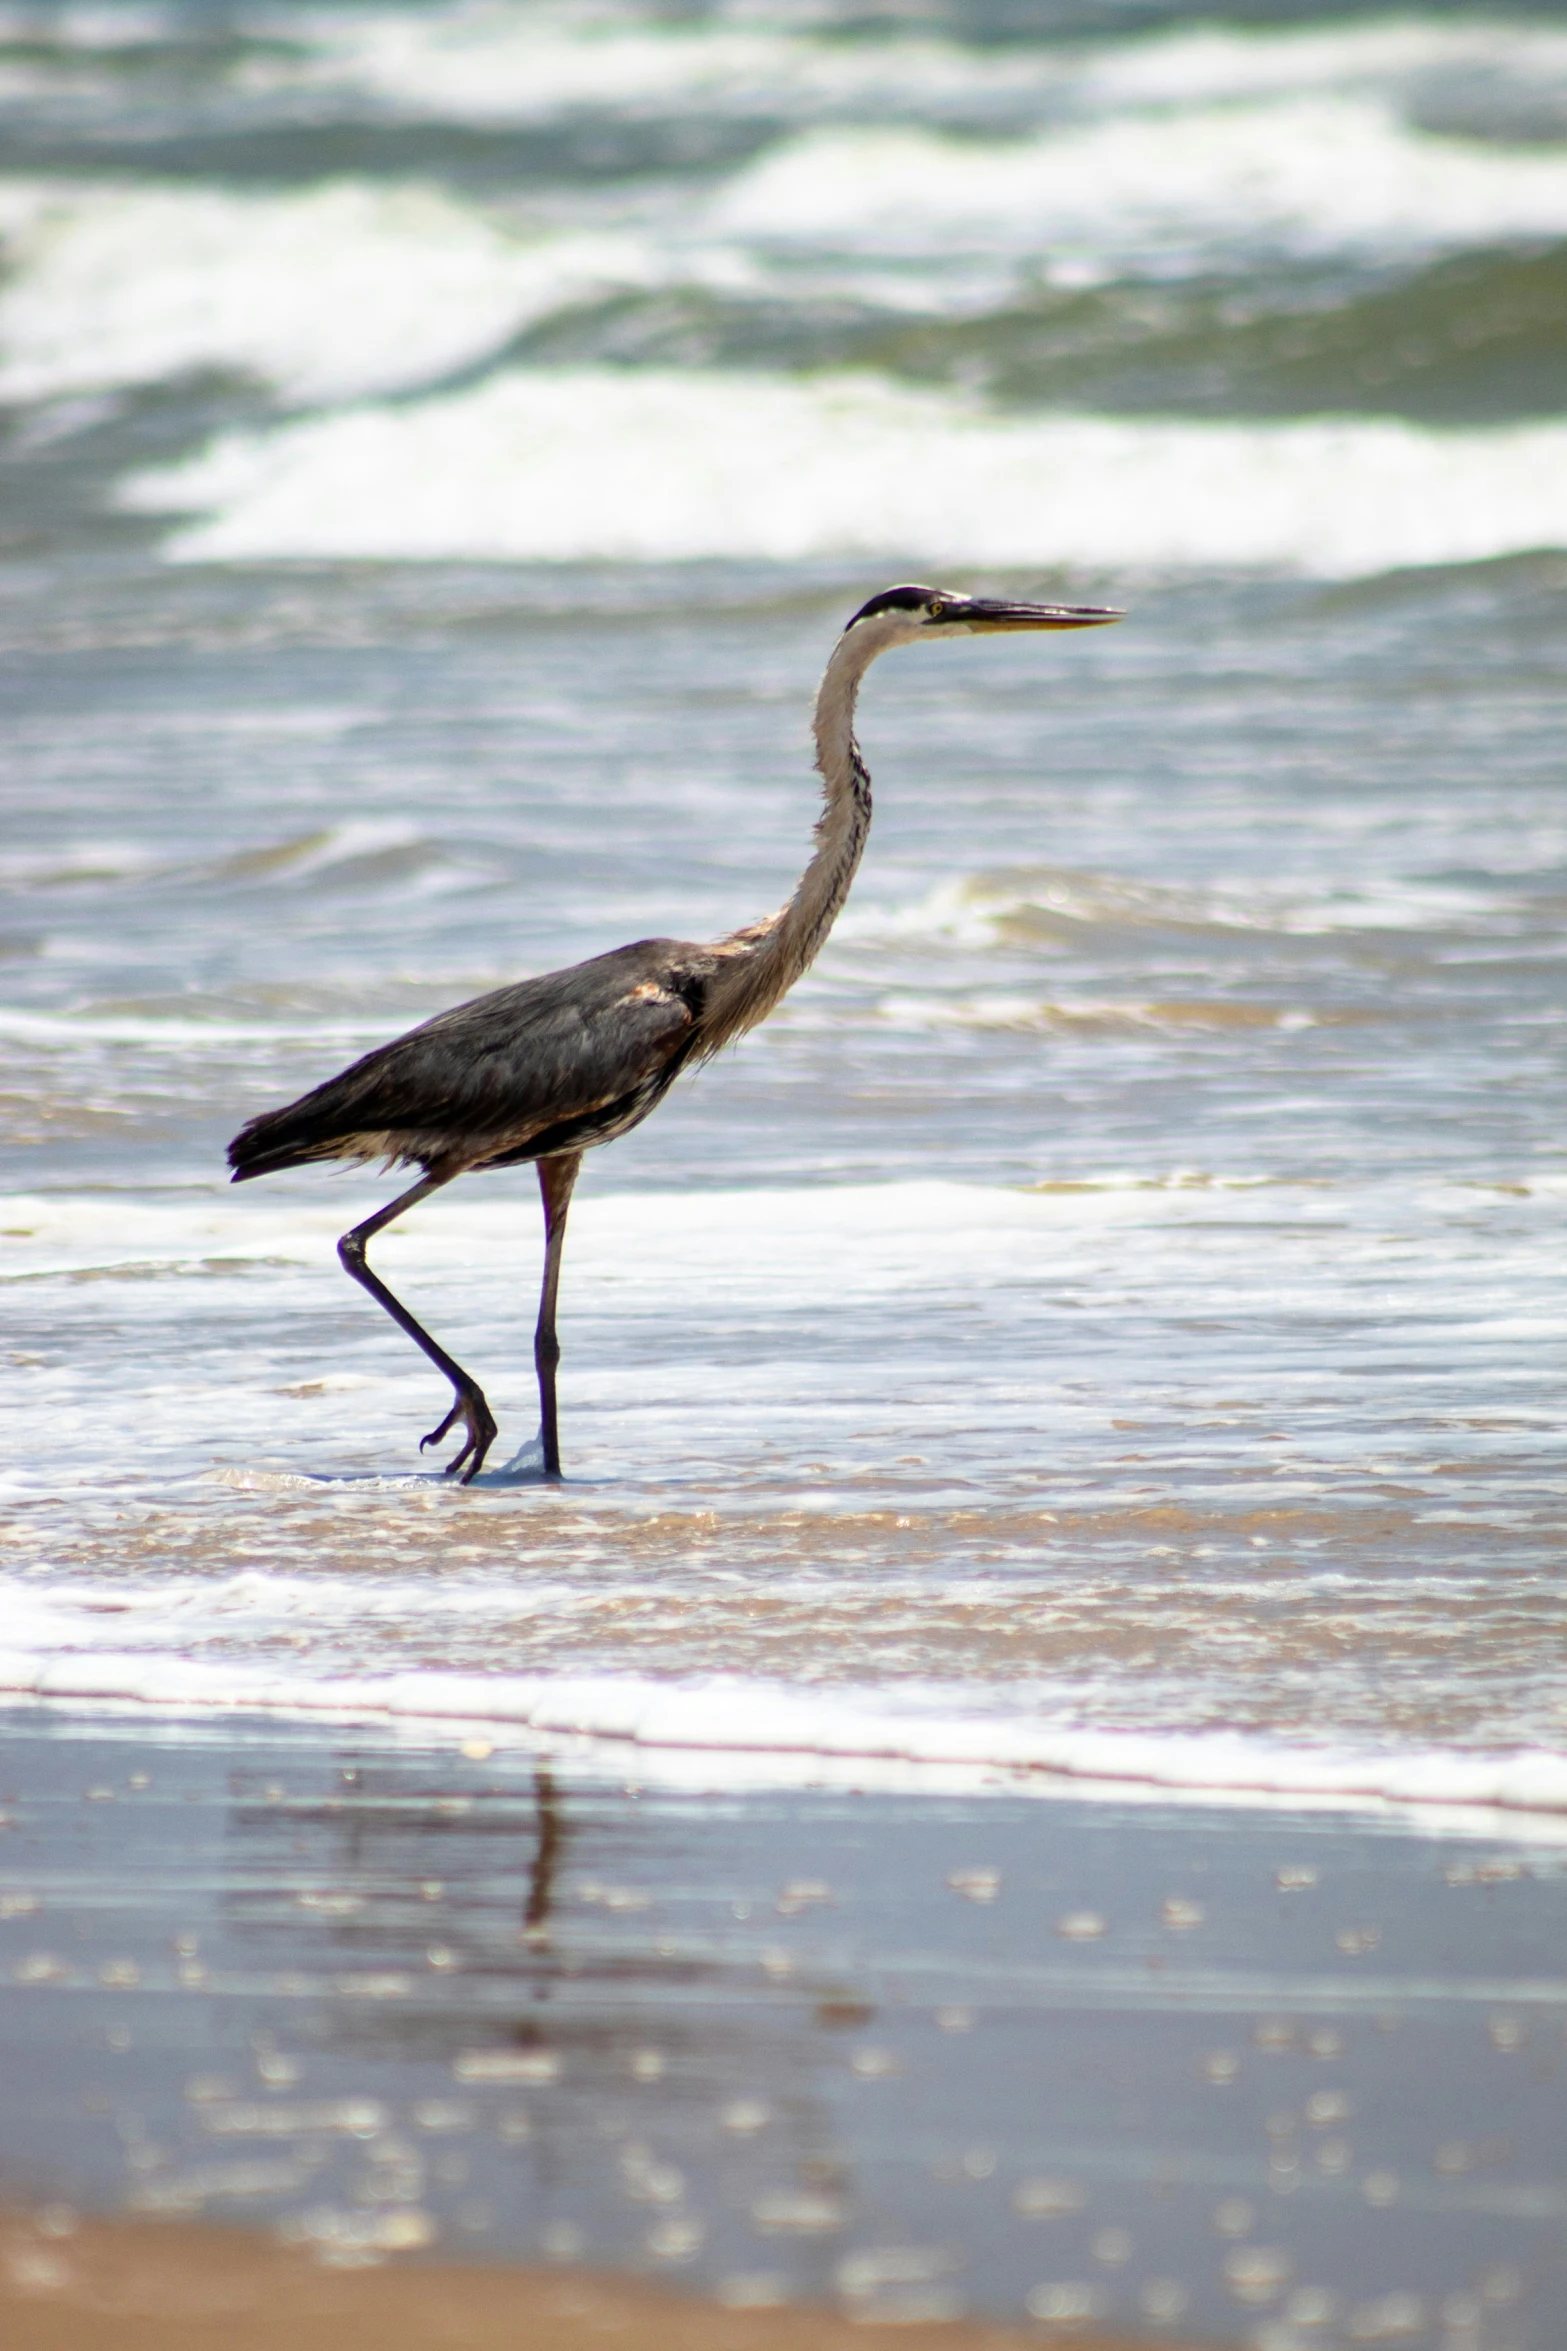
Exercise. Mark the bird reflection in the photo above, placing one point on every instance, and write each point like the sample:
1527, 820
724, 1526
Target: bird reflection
546, 1858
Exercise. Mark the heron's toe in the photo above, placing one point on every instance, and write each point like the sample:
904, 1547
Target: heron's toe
479, 1434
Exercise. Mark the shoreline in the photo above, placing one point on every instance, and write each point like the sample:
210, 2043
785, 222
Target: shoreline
596, 1723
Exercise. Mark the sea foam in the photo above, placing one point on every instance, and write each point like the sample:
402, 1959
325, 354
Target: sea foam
604, 465
749, 1732
498, 63
1310, 177
323, 293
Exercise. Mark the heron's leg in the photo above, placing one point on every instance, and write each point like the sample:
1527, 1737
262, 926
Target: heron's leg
470, 1407
556, 1179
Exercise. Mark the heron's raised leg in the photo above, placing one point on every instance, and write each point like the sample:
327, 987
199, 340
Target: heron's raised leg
470, 1408
556, 1179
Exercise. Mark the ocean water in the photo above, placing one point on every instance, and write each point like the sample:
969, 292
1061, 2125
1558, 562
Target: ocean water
1110, 1322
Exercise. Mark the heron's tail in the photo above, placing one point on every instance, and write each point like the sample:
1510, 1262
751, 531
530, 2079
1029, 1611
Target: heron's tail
271, 1142
320, 1125
343, 1118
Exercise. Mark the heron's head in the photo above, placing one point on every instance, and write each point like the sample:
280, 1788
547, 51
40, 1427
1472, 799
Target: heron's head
899, 615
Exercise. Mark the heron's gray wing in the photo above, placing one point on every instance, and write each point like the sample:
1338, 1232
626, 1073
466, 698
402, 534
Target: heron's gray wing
480, 1080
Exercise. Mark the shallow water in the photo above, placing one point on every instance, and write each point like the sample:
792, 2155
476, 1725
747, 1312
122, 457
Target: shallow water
1150, 1207
1117, 1299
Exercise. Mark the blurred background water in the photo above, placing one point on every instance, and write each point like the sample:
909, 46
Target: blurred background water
1118, 1297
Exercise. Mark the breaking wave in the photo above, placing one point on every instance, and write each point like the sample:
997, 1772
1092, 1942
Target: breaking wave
492, 64
1308, 176
603, 465
323, 294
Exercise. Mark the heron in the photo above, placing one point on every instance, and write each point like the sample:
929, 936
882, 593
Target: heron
547, 1069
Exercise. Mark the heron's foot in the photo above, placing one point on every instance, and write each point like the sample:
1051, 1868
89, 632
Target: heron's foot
478, 1423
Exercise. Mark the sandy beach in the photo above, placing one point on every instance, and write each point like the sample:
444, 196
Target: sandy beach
169, 2287
726, 2065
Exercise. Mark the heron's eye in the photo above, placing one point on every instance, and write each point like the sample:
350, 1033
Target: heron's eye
938, 610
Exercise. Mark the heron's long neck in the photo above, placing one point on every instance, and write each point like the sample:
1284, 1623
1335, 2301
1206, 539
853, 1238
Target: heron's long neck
761, 962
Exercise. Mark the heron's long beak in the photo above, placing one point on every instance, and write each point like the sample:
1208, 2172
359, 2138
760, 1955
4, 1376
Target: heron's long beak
987, 612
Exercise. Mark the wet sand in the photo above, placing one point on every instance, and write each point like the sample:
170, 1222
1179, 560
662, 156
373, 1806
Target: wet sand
173, 2287
318, 2027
